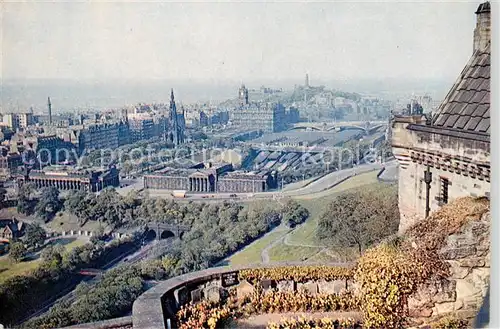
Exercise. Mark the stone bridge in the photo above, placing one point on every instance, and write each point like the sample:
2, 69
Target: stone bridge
160, 231
366, 126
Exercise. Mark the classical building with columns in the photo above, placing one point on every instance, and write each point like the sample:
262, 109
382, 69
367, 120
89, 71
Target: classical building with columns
208, 177
199, 178
447, 155
247, 182
68, 179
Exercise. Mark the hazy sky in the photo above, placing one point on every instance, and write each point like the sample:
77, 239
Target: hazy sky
236, 41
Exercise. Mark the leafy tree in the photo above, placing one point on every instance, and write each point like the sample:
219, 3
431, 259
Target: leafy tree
17, 251
127, 168
53, 254
49, 203
35, 236
114, 294
25, 203
360, 218
80, 203
293, 213
169, 264
59, 316
108, 207
152, 269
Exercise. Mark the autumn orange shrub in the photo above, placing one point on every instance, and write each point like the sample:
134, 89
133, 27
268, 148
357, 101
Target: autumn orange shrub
209, 314
297, 273
201, 315
389, 273
325, 323
274, 301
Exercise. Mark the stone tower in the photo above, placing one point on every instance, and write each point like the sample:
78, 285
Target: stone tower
482, 32
174, 124
49, 105
243, 95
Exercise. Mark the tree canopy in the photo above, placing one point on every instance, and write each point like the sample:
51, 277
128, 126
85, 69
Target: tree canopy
17, 251
48, 204
360, 218
35, 235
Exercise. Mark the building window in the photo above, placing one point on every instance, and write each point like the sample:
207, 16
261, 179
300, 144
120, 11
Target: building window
420, 189
444, 190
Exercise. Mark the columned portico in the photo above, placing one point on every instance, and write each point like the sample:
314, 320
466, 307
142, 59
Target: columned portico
200, 184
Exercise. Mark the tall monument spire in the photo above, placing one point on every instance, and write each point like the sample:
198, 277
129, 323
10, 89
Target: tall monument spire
174, 124
49, 105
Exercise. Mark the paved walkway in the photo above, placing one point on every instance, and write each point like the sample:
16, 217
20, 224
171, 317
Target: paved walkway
264, 255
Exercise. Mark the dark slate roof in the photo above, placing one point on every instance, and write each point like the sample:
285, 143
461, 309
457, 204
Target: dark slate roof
467, 105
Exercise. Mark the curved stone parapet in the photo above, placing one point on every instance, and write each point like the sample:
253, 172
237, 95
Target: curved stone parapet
117, 323
154, 308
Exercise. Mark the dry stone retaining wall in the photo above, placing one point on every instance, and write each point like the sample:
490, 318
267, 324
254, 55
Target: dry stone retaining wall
462, 293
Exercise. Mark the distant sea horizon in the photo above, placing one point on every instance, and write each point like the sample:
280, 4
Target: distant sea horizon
18, 95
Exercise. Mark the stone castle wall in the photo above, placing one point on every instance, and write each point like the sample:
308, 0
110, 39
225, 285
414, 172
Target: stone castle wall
412, 191
464, 162
462, 293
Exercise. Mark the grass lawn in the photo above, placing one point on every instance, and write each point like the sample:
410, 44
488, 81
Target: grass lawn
251, 254
66, 222
9, 268
298, 184
334, 257
322, 257
63, 221
356, 181
305, 234
70, 243
284, 253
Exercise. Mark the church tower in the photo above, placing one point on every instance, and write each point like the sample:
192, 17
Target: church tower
243, 95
